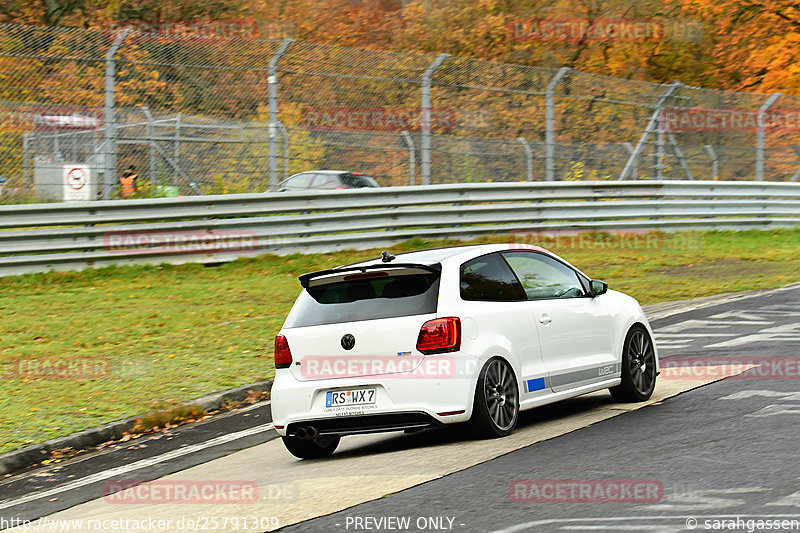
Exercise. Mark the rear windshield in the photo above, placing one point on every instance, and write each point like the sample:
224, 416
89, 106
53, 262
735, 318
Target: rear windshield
369, 298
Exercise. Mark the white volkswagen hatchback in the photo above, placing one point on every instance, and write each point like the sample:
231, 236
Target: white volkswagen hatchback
469, 333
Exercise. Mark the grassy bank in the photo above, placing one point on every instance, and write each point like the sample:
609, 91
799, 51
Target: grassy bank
146, 338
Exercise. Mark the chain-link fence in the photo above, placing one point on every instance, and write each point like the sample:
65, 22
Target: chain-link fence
190, 115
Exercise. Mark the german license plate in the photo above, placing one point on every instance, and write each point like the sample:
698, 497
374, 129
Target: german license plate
350, 397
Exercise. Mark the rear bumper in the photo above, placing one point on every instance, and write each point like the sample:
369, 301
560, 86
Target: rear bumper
401, 403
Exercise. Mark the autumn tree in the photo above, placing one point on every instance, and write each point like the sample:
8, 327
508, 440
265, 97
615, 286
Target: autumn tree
754, 43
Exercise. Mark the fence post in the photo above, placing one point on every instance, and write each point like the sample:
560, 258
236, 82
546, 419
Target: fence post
659, 154
412, 154
679, 154
110, 130
151, 156
796, 174
651, 126
272, 81
550, 109
426, 116
760, 147
528, 156
26, 147
629, 147
285, 142
714, 161
176, 145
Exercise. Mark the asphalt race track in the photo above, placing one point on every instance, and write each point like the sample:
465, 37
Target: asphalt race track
715, 449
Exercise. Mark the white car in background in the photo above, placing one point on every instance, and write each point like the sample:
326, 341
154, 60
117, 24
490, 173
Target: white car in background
327, 180
463, 334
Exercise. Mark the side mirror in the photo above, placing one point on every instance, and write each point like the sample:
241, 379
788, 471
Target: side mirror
598, 287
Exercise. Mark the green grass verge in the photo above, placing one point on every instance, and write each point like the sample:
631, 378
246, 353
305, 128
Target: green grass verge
167, 334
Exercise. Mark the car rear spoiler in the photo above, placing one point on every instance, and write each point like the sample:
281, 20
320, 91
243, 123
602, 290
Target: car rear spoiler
305, 279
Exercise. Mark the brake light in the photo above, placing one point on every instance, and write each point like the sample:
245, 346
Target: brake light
283, 355
440, 335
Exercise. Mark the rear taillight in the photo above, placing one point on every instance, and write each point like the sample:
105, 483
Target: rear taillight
440, 335
283, 355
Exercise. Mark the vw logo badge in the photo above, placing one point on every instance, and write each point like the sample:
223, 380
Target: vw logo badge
348, 341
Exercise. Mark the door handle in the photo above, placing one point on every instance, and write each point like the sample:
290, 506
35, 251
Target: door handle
545, 319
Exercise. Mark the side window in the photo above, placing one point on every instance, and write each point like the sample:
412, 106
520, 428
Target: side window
543, 277
326, 181
301, 181
488, 278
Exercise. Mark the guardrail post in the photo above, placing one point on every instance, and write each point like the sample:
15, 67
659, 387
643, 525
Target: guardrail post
109, 130
412, 154
651, 126
550, 109
714, 161
272, 81
528, 156
426, 116
760, 146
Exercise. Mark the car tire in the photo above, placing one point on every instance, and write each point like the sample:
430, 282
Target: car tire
311, 449
638, 367
495, 409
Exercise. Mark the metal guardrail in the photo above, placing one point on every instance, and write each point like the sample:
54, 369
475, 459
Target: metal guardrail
211, 229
